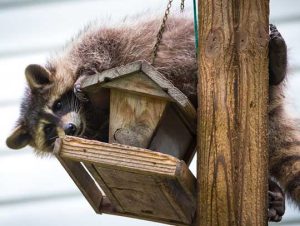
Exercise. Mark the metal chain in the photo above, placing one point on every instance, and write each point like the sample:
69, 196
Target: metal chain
162, 28
182, 6
161, 31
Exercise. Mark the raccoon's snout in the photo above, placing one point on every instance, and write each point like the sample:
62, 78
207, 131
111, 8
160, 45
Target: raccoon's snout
70, 129
72, 124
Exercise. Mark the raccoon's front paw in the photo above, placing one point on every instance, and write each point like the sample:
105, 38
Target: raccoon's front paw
277, 57
276, 202
80, 94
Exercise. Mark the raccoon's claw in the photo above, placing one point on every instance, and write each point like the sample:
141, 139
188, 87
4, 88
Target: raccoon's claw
276, 206
80, 94
277, 57
276, 202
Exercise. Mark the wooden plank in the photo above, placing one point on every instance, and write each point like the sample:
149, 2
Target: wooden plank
190, 123
172, 136
133, 118
232, 124
183, 102
138, 193
117, 155
129, 68
139, 183
179, 200
187, 181
112, 203
91, 82
138, 83
94, 82
80, 176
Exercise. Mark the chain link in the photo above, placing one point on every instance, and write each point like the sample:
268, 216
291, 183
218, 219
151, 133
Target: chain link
182, 6
161, 31
162, 28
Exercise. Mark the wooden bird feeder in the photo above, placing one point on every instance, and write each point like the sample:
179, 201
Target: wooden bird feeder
142, 172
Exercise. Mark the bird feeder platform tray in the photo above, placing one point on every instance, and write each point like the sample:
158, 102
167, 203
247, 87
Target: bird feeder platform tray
129, 181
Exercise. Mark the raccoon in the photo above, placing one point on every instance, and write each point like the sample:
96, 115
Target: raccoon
51, 107
53, 101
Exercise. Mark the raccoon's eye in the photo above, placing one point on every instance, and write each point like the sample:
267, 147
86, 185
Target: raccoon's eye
49, 129
57, 106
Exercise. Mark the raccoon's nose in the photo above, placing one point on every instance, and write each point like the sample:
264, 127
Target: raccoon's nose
70, 129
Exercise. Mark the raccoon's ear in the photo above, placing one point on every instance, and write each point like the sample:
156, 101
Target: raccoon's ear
37, 76
19, 138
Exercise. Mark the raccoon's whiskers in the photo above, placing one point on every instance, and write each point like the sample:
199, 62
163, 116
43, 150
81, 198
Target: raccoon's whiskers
74, 104
45, 144
53, 138
69, 102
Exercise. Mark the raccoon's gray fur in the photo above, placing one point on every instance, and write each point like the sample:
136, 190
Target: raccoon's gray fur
97, 49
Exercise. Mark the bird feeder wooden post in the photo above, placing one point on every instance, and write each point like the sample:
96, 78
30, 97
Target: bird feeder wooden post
232, 116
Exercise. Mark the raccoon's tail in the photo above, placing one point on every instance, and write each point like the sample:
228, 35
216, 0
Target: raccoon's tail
284, 144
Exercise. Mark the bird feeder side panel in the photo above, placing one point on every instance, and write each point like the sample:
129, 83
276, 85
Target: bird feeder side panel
133, 118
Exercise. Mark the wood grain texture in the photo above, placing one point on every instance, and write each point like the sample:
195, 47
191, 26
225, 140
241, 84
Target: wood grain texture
137, 182
111, 204
133, 118
183, 102
117, 155
94, 82
232, 120
138, 83
81, 178
138, 97
173, 136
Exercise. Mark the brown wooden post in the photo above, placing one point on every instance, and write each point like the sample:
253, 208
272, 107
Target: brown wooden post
232, 116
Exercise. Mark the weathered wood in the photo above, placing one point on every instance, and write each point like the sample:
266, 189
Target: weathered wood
133, 118
81, 178
117, 155
232, 120
112, 203
182, 100
172, 136
138, 183
93, 83
138, 83
136, 96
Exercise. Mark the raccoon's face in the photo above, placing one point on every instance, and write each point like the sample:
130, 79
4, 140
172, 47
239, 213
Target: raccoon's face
49, 110
56, 119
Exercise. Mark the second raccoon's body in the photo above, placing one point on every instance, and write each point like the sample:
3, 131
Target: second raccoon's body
97, 49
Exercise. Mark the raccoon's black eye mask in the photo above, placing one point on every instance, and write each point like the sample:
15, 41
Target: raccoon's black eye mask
50, 133
50, 130
57, 106
66, 103
50, 118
